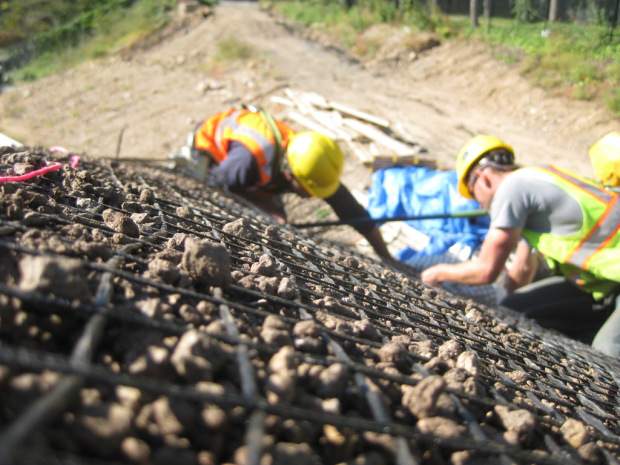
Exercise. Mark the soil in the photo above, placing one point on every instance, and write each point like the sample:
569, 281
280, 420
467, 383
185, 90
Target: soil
143, 101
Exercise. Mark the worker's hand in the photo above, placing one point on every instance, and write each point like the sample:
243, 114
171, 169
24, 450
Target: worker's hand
431, 276
279, 218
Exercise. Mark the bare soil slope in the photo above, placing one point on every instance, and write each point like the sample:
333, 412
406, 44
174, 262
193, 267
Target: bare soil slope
154, 95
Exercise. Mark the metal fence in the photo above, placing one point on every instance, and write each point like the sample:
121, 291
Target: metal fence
115, 348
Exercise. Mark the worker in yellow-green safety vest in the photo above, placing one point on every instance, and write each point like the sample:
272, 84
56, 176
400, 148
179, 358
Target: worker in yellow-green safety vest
572, 221
259, 158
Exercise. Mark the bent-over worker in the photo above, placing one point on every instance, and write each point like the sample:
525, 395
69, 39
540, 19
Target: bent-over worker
257, 157
571, 220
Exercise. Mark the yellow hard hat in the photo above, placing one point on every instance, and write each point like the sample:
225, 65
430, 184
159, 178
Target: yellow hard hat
316, 161
470, 154
605, 158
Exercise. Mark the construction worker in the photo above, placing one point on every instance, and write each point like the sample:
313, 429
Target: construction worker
571, 220
257, 157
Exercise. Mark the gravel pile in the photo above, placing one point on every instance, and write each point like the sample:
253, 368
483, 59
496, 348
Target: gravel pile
148, 319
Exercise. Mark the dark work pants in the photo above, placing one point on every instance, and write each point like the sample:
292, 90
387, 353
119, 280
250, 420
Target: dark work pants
557, 304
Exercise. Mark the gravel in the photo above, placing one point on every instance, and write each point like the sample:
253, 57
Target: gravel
146, 318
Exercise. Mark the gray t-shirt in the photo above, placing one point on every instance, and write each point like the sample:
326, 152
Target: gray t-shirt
524, 200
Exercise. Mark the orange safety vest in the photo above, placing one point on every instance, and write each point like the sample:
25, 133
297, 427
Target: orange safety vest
252, 130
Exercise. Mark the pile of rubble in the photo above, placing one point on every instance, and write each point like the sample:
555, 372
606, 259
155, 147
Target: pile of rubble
148, 318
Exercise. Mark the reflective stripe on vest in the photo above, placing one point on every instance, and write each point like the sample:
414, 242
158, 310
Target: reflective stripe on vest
261, 147
599, 231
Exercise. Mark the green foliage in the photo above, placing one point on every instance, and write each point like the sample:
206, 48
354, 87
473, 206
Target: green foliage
423, 20
525, 12
61, 33
55, 19
384, 11
580, 59
613, 101
231, 48
336, 16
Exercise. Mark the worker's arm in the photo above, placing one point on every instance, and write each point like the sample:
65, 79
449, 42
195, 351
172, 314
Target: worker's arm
375, 239
347, 207
495, 249
523, 267
238, 172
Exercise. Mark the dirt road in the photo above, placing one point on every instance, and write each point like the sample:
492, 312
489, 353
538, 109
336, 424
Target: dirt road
155, 95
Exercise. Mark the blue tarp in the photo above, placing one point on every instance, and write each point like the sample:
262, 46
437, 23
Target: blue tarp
414, 191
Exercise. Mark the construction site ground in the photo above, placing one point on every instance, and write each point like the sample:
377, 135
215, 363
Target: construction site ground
157, 90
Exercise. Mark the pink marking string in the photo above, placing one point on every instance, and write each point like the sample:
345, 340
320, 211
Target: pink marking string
58, 148
73, 162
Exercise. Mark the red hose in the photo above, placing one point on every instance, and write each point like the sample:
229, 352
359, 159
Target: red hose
73, 162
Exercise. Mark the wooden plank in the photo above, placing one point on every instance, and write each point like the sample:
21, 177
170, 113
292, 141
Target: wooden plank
401, 132
282, 101
360, 151
360, 115
319, 101
299, 103
386, 161
333, 121
380, 137
6, 140
311, 124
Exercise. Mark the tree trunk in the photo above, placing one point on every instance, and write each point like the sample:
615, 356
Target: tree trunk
553, 10
486, 7
614, 20
473, 12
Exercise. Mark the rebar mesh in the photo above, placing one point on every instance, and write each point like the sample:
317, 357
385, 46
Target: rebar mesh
121, 345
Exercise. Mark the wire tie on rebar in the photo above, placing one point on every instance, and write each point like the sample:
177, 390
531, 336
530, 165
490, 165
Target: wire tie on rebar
255, 431
375, 403
544, 407
594, 407
556, 450
611, 460
597, 424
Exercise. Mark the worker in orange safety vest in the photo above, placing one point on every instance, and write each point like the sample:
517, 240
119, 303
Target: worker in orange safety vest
255, 156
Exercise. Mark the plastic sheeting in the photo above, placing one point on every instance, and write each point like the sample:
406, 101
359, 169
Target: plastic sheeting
414, 191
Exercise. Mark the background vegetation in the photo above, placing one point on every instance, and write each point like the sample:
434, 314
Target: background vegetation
579, 59
43, 36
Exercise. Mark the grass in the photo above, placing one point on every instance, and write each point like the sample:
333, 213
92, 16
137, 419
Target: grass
582, 61
114, 30
232, 49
